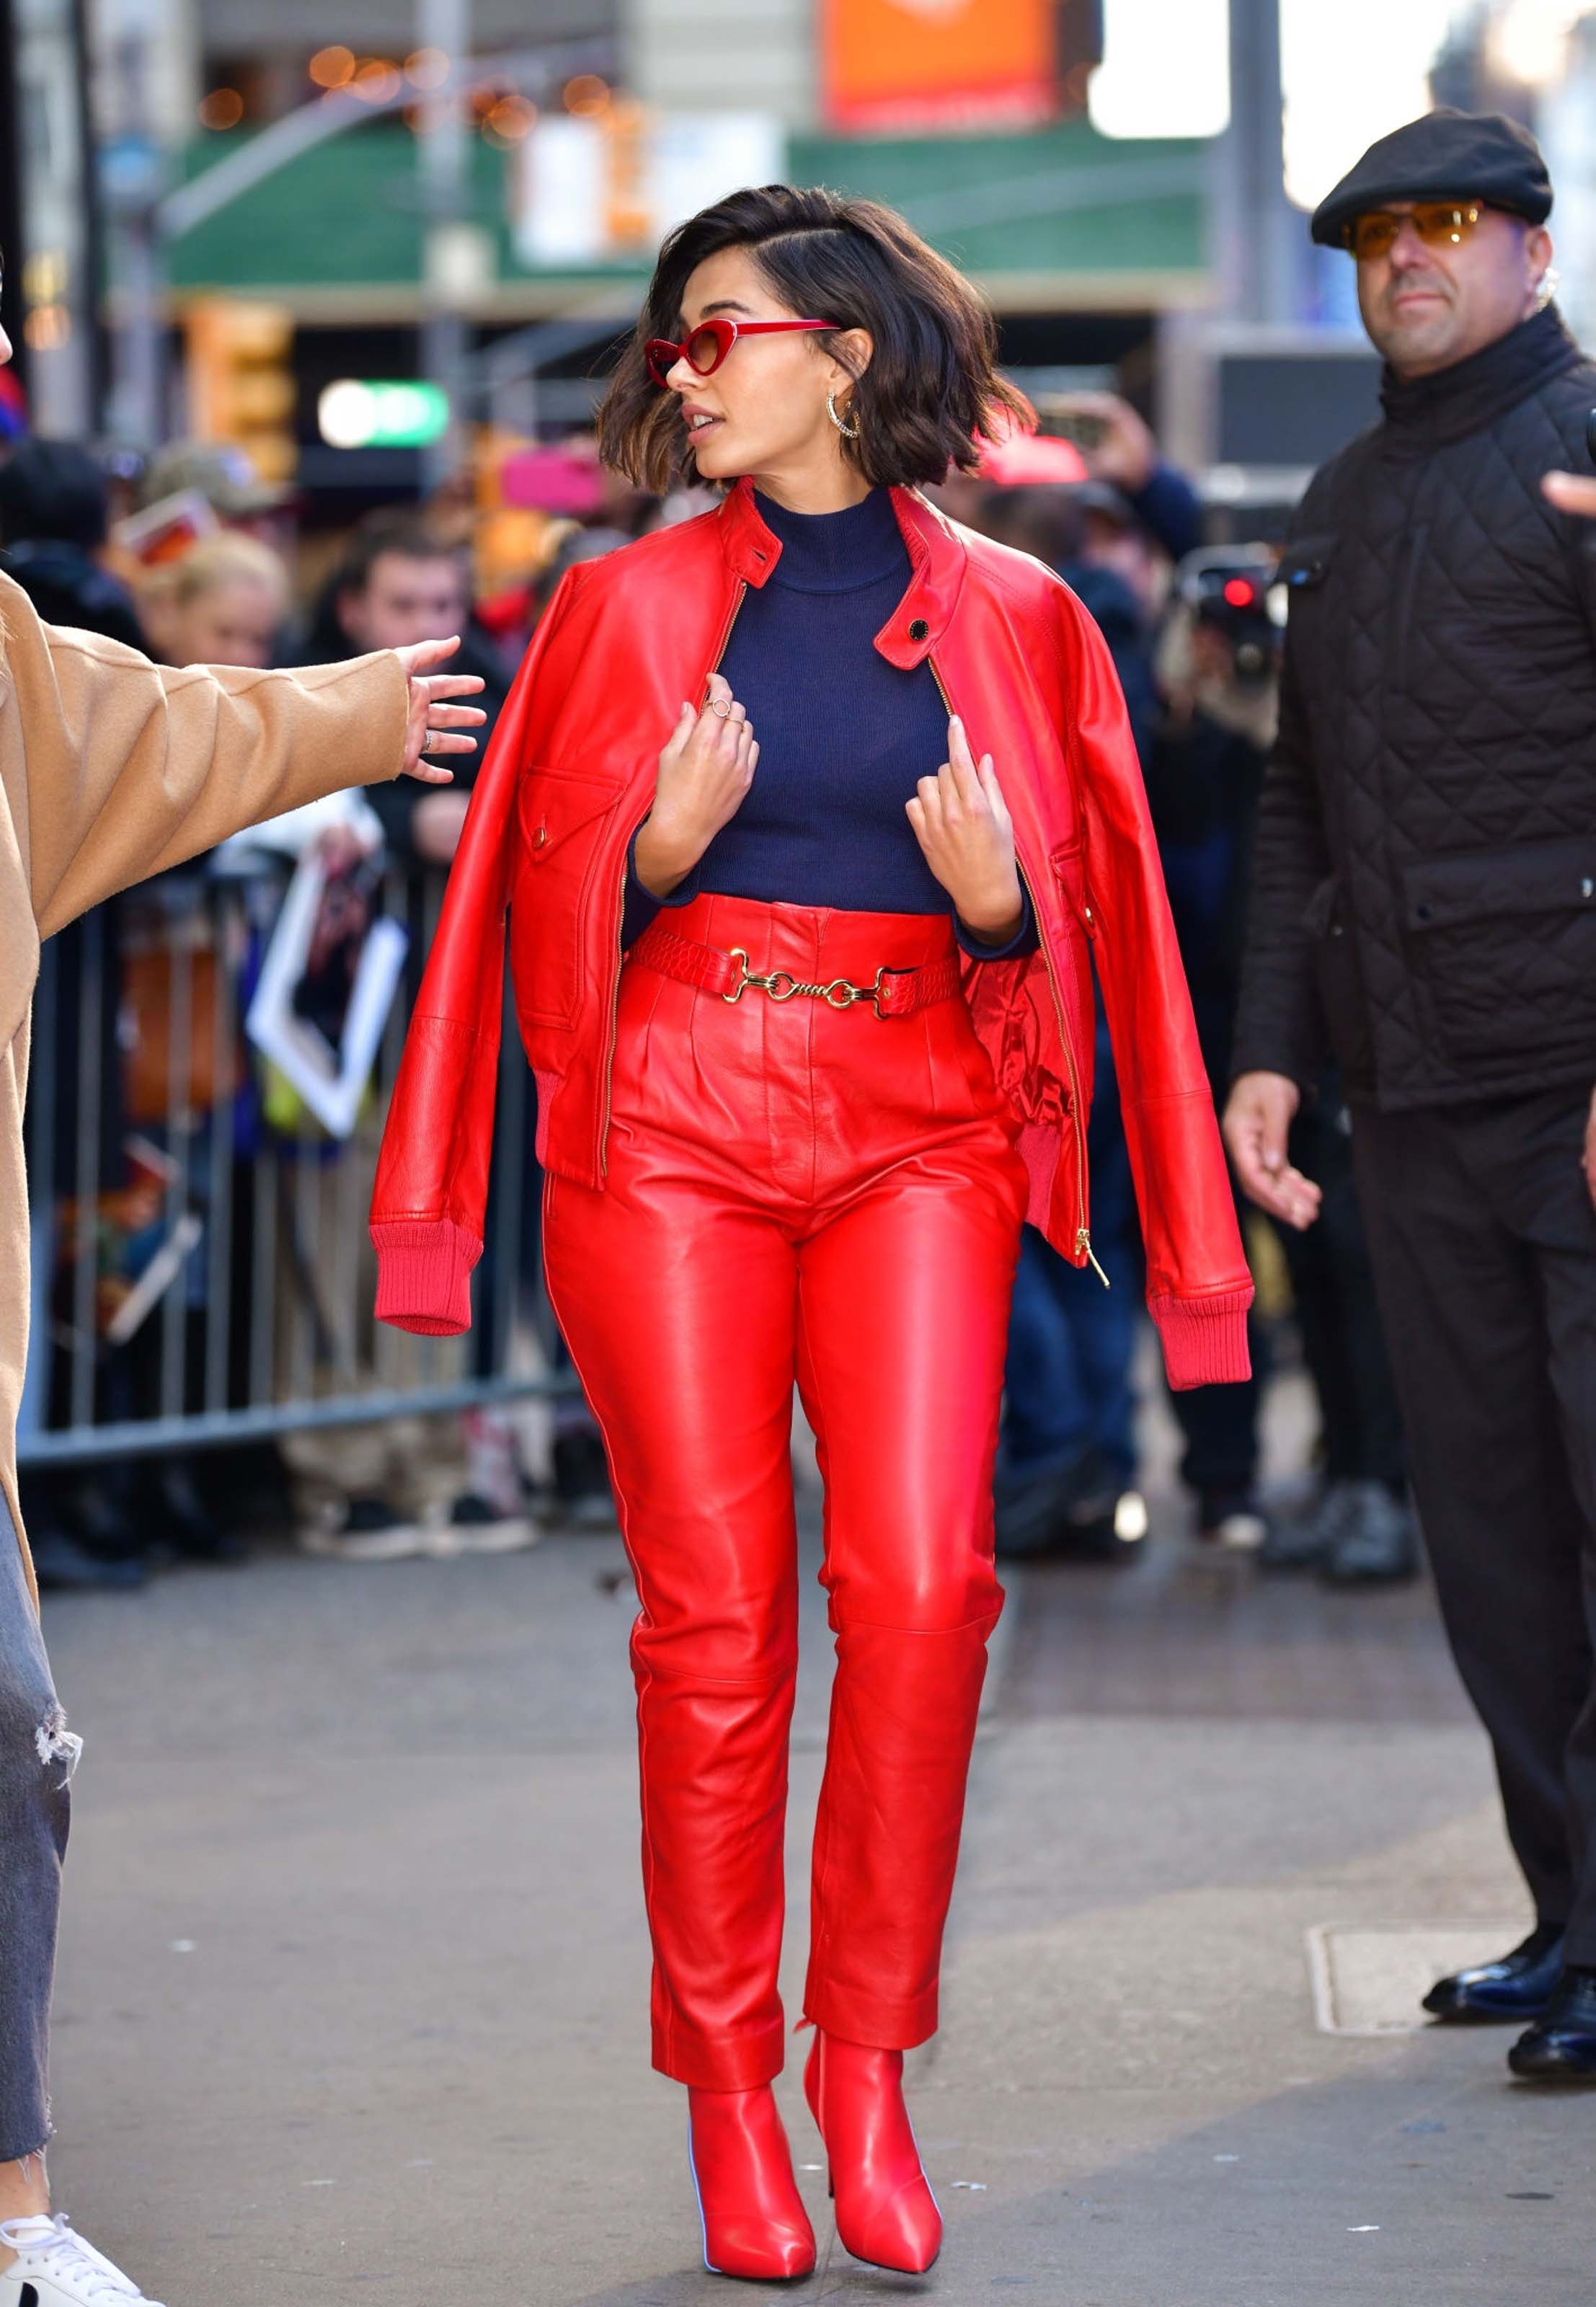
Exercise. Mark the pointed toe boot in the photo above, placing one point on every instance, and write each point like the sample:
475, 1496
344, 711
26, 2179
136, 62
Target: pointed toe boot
886, 2212
755, 2224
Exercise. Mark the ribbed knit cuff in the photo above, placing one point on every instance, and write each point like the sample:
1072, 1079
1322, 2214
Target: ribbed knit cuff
1203, 1339
424, 1275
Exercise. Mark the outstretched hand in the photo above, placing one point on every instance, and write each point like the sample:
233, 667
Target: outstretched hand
432, 724
1572, 493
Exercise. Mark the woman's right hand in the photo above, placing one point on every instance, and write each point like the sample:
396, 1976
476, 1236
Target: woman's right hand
706, 767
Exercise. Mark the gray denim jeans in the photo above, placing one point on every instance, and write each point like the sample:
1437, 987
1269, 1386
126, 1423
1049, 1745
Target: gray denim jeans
37, 1755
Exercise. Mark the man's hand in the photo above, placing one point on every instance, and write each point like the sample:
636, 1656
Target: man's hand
706, 767
966, 835
432, 722
1570, 492
1256, 1122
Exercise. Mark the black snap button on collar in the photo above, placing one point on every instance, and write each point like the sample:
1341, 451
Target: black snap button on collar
918, 628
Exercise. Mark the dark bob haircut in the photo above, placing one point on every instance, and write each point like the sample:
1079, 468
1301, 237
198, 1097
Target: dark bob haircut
930, 393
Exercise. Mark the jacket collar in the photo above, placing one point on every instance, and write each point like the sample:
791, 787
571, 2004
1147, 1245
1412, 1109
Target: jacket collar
1474, 393
936, 560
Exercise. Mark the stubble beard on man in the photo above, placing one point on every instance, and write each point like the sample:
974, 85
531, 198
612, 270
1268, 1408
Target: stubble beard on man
1414, 342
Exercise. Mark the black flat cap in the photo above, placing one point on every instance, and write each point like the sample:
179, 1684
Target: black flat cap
1448, 154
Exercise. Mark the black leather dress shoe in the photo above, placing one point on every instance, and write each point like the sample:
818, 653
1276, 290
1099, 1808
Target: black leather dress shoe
62, 1565
1515, 1986
1375, 1542
1560, 2047
1051, 1513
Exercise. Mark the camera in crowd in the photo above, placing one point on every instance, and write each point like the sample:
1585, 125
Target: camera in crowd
1235, 591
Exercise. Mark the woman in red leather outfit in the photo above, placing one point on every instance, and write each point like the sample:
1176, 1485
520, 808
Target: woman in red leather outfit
791, 1133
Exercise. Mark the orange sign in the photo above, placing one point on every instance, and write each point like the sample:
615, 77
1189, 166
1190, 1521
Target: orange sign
905, 66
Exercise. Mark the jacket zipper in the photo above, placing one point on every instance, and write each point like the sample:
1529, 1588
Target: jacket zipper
1084, 1255
609, 1061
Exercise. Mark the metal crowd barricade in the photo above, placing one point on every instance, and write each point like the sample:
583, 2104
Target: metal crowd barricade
201, 1270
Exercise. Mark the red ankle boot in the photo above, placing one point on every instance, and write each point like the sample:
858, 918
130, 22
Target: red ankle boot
755, 2224
886, 2214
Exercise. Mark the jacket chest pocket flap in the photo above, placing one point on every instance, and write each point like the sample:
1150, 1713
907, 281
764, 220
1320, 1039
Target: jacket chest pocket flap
564, 815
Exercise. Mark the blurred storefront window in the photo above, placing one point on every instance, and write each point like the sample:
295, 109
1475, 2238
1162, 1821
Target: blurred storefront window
927, 64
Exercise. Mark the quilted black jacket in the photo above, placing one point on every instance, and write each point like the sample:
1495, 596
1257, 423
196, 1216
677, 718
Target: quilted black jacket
1424, 879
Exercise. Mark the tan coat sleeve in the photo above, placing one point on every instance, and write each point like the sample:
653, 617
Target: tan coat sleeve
133, 767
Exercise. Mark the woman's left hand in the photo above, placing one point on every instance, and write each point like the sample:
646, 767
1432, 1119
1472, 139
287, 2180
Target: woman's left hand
962, 824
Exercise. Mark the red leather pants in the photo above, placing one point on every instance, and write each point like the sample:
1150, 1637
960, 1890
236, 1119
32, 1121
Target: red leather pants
797, 1192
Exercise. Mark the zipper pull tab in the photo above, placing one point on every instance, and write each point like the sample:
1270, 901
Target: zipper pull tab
1083, 1249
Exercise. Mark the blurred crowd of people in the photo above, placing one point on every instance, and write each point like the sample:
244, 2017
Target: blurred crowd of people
1195, 631
195, 562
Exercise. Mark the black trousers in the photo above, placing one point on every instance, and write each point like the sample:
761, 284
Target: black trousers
1343, 1342
1483, 1242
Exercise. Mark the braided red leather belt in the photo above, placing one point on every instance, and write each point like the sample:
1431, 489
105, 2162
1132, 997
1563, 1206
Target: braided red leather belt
893, 993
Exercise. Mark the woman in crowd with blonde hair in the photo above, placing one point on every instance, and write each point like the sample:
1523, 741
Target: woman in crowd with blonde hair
223, 603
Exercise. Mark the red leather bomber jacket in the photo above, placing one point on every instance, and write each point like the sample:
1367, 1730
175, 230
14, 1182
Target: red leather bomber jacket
570, 775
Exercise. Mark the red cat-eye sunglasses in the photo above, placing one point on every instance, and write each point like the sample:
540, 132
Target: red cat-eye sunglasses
704, 347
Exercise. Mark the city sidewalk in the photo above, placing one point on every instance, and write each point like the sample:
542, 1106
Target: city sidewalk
352, 1993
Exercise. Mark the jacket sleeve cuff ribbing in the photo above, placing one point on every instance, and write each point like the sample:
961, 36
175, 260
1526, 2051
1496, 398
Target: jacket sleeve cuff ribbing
1203, 1339
424, 1275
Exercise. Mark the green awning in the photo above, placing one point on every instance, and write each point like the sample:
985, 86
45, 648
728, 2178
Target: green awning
1075, 215
1061, 200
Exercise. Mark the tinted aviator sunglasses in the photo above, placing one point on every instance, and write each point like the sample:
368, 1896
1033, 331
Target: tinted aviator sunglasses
704, 347
1436, 222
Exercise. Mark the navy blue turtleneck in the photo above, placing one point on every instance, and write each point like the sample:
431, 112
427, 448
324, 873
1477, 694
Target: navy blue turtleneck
844, 736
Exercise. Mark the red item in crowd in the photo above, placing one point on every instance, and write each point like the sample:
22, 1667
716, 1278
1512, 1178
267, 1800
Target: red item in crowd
1028, 459
562, 480
507, 614
14, 408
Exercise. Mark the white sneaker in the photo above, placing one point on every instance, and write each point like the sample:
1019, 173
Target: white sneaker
1242, 1531
476, 1525
363, 1530
54, 2268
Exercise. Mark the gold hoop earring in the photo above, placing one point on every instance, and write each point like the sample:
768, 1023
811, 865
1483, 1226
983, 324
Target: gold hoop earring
849, 432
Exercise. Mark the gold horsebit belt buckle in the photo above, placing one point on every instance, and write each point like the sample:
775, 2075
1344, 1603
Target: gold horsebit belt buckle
781, 985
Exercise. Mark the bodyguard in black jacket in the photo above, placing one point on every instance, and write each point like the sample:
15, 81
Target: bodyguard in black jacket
1427, 841
1425, 886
